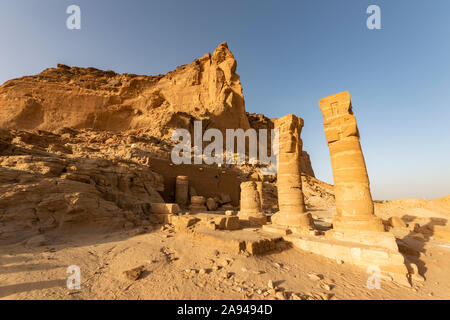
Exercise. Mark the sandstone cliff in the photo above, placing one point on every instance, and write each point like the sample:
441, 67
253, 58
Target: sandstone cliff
208, 88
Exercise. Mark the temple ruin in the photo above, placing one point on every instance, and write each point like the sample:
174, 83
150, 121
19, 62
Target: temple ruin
251, 204
291, 204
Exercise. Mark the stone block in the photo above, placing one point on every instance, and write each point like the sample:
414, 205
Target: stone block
232, 223
165, 208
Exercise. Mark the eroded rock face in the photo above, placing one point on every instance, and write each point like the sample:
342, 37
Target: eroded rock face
42, 189
207, 89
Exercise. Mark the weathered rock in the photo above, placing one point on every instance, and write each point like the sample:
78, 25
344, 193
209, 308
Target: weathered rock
396, 222
37, 241
232, 223
315, 277
208, 88
211, 204
42, 191
183, 222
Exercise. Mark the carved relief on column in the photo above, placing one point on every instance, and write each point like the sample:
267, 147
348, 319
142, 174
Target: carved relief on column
354, 203
292, 210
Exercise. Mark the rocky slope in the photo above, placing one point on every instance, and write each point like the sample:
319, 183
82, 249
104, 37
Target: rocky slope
45, 185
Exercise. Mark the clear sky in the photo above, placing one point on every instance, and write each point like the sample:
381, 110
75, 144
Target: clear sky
290, 54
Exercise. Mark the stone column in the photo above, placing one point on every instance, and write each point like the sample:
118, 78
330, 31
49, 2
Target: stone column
259, 187
251, 204
182, 190
197, 204
354, 204
292, 210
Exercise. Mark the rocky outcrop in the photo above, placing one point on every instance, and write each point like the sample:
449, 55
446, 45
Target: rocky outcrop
45, 186
207, 89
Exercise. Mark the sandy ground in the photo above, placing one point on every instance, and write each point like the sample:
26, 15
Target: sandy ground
173, 270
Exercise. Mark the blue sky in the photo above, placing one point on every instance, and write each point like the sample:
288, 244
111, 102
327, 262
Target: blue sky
290, 54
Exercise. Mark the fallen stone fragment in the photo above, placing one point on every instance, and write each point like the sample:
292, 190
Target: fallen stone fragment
325, 296
232, 223
295, 297
314, 277
211, 204
327, 287
396, 222
134, 274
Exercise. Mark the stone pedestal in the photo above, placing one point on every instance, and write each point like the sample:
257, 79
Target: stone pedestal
251, 205
291, 204
197, 204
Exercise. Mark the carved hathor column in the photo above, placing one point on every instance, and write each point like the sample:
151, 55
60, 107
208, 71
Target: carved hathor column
289, 181
251, 204
351, 184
